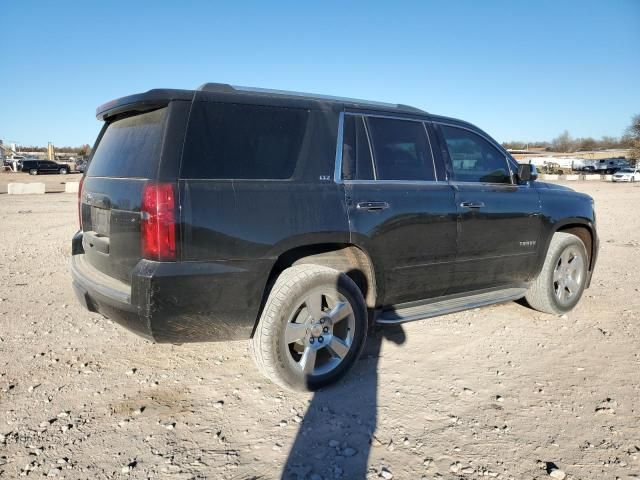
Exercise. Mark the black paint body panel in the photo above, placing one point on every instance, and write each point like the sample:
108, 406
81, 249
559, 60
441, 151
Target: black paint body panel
231, 233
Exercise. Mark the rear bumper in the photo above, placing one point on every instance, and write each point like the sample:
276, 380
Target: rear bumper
176, 302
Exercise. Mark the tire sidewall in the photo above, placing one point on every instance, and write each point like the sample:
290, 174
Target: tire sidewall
328, 281
567, 242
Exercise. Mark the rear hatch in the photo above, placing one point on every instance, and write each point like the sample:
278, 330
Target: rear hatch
130, 161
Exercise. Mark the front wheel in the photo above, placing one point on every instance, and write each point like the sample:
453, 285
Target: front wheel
63, 171
312, 329
562, 280
33, 171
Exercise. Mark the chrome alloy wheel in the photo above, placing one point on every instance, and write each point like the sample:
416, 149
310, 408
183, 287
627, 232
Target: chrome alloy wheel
320, 332
568, 275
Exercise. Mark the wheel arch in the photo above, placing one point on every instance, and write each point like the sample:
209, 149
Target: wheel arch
585, 232
347, 258
351, 259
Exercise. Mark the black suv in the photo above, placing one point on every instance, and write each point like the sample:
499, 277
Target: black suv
35, 167
298, 221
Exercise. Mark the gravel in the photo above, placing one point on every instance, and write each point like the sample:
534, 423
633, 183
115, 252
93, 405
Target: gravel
75, 386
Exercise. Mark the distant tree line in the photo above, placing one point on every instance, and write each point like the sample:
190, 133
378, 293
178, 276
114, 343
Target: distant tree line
566, 143
81, 150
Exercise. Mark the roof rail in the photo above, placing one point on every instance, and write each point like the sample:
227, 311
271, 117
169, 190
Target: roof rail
226, 88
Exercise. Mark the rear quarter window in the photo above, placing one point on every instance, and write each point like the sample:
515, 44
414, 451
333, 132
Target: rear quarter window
130, 147
237, 141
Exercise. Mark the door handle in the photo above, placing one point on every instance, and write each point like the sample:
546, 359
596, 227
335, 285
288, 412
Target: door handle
372, 206
472, 204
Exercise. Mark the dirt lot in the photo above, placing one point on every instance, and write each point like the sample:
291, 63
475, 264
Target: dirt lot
52, 182
501, 392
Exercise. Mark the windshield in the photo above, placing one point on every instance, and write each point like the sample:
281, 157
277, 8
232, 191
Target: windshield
627, 170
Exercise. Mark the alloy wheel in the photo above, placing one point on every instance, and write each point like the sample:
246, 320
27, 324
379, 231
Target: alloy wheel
320, 332
568, 275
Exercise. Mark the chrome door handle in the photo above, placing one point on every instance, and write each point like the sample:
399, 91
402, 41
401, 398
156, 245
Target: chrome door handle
372, 206
472, 204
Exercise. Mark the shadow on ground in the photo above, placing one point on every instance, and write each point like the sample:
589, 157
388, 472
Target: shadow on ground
337, 430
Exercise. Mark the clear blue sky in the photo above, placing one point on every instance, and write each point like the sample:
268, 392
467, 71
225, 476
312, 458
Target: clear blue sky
522, 70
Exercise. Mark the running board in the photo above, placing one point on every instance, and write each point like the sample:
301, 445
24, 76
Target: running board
443, 307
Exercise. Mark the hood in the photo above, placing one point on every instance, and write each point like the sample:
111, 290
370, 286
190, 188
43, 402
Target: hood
552, 186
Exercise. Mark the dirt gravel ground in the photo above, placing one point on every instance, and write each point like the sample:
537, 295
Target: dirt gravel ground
501, 392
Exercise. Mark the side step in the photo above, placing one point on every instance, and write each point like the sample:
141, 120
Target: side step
443, 307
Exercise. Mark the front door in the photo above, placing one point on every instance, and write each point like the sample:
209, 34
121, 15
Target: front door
399, 210
48, 166
499, 220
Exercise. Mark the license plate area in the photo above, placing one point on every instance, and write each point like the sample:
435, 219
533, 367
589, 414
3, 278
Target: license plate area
101, 221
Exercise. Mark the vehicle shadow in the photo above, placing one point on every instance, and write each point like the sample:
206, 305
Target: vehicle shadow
337, 431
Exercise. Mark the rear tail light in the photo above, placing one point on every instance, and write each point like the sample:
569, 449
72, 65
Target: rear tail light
80, 201
158, 222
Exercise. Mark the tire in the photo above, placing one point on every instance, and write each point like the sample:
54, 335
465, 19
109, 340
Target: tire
63, 171
560, 284
336, 332
33, 171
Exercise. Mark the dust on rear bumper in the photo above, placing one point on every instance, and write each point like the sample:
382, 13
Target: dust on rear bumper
102, 294
177, 302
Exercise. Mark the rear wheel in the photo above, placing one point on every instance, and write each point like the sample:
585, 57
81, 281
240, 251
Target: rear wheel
312, 329
561, 282
33, 171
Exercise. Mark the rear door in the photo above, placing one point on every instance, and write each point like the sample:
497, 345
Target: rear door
43, 166
131, 151
399, 207
500, 220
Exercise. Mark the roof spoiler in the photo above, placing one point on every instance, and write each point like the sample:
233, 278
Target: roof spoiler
141, 102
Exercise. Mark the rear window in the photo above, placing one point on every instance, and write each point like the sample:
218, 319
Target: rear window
130, 147
234, 141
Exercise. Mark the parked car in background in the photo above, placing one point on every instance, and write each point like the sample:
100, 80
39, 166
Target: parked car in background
626, 175
36, 167
81, 166
584, 165
611, 165
14, 159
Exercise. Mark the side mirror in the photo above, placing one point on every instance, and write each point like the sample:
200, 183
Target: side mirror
527, 172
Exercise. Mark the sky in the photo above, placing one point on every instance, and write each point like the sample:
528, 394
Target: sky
520, 70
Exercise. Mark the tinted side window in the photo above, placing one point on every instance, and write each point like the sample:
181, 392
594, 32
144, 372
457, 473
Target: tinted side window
401, 149
356, 154
473, 158
226, 141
